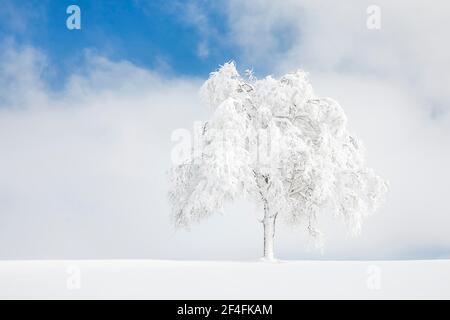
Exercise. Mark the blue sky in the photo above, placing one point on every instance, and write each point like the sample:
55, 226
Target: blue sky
163, 35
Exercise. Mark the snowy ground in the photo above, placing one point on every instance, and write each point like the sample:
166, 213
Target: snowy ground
143, 279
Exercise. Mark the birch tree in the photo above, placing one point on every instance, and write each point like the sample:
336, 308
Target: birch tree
274, 142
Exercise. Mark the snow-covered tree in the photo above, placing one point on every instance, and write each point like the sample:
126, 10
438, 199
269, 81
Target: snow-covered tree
274, 142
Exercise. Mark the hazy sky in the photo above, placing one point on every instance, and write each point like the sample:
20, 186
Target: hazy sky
86, 118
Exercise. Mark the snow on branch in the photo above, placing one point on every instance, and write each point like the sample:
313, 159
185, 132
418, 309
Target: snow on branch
273, 141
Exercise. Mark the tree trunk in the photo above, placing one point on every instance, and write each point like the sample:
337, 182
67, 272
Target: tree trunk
269, 235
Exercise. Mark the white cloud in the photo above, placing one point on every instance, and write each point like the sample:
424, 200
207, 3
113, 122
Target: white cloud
83, 169
332, 36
